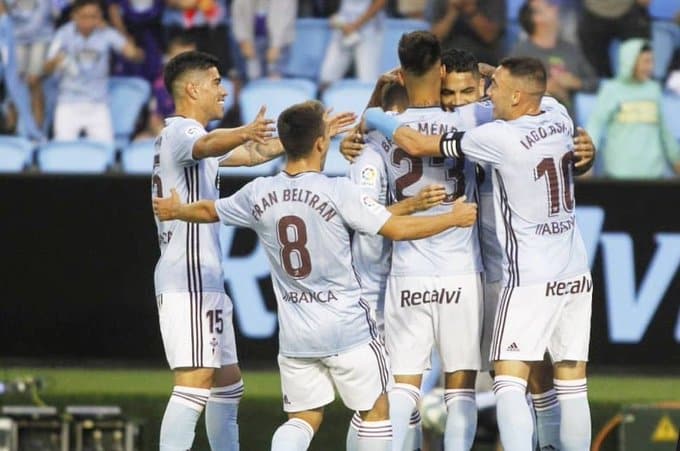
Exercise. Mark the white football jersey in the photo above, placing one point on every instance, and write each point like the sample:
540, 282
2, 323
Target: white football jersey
190, 253
304, 223
533, 187
371, 254
456, 250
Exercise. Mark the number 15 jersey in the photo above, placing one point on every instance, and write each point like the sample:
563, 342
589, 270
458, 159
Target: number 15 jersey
456, 250
304, 223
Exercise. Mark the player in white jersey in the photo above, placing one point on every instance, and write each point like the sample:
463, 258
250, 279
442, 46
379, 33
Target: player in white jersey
547, 288
194, 312
326, 336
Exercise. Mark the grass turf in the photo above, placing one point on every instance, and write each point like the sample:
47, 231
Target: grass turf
143, 393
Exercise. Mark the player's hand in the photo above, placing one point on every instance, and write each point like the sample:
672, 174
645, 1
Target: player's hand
166, 208
430, 196
247, 50
351, 146
464, 213
584, 149
261, 129
339, 123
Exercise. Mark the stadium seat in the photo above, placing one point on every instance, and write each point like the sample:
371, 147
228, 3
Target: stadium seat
348, 95
15, 153
276, 94
513, 33
664, 9
335, 162
583, 105
671, 113
137, 158
308, 49
394, 28
270, 168
664, 35
614, 55
81, 156
127, 98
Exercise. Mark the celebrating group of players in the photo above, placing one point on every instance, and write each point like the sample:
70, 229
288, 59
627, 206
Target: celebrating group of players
360, 313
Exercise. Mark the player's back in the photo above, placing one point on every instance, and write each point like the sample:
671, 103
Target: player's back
534, 198
190, 260
455, 251
304, 223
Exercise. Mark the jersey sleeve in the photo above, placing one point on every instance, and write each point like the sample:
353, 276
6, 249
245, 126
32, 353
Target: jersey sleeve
236, 209
57, 43
368, 171
483, 144
359, 210
183, 139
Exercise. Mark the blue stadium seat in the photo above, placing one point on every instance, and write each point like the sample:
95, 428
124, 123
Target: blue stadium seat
513, 7
137, 158
127, 98
513, 33
80, 156
348, 95
276, 94
663, 45
583, 106
270, 168
308, 49
394, 28
614, 55
15, 153
671, 113
335, 162
664, 9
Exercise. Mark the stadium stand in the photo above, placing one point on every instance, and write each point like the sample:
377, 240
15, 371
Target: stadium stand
82, 156
664, 9
276, 94
671, 110
394, 28
127, 98
348, 95
16, 152
137, 158
308, 49
583, 106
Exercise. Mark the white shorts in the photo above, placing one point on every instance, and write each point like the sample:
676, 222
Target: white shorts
491, 292
423, 312
31, 58
197, 329
70, 119
360, 375
552, 316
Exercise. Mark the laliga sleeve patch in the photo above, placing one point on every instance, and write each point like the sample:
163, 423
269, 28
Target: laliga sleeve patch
192, 131
369, 177
372, 205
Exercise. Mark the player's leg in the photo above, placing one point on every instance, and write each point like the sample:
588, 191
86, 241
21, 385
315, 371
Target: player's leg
361, 376
546, 406
515, 422
459, 325
221, 412
409, 338
336, 62
569, 348
306, 387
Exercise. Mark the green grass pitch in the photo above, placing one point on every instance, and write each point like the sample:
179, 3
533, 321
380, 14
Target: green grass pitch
142, 393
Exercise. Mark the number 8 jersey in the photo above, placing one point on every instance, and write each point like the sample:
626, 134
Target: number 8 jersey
304, 223
531, 159
454, 251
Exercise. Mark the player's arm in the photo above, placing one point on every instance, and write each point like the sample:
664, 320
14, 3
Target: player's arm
428, 197
253, 153
397, 228
171, 208
411, 141
219, 142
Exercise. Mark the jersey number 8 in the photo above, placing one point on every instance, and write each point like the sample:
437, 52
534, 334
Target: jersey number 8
292, 234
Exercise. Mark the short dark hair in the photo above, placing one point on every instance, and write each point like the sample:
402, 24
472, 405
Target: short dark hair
419, 51
393, 95
527, 68
646, 47
185, 62
460, 61
526, 18
77, 4
299, 126
181, 39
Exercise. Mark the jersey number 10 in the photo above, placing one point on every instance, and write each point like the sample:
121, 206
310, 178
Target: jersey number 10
556, 181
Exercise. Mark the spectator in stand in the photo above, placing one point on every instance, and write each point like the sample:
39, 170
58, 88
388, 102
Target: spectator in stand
568, 70
139, 21
358, 36
473, 25
205, 21
264, 30
602, 21
628, 115
33, 28
80, 52
16, 115
161, 104
413, 9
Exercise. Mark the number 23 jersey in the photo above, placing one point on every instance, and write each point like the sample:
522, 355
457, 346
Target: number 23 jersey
456, 250
303, 222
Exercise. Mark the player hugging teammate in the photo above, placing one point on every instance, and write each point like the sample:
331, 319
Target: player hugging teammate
440, 288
